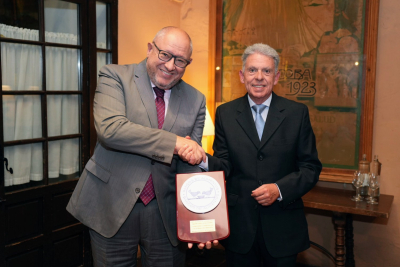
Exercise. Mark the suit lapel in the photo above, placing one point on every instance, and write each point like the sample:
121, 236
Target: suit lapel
142, 81
245, 119
274, 119
173, 108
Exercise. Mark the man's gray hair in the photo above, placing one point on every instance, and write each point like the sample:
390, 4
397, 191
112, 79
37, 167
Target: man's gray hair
262, 49
165, 30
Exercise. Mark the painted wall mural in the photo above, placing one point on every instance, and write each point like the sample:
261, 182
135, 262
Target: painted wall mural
320, 43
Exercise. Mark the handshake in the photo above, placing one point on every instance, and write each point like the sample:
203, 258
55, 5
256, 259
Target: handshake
190, 151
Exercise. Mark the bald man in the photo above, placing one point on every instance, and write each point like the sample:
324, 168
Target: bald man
126, 194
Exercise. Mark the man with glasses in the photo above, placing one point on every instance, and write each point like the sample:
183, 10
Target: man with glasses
144, 114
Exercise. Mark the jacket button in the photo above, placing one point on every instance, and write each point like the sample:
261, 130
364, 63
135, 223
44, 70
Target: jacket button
255, 206
137, 190
153, 162
260, 182
260, 157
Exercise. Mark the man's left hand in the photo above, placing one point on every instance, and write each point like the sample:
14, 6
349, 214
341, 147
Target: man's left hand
266, 194
207, 245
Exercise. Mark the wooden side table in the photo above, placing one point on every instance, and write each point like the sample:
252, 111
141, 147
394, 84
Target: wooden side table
339, 202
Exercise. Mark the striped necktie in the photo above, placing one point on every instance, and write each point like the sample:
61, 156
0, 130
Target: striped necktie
148, 190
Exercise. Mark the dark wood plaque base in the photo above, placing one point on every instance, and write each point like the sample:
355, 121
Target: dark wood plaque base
188, 221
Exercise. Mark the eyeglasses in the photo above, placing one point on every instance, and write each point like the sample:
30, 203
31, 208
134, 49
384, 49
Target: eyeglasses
165, 56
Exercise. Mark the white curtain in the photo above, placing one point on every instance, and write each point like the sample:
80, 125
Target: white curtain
63, 116
101, 33
21, 70
101, 57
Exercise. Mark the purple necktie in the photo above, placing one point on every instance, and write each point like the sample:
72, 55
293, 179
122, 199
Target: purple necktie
148, 190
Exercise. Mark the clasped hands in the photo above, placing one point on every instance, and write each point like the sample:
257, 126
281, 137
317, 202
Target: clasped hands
193, 152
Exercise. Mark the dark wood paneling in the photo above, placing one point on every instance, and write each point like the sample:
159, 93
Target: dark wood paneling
33, 258
24, 220
68, 252
60, 216
36, 229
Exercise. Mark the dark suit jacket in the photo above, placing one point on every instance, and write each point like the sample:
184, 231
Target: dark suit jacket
286, 155
130, 147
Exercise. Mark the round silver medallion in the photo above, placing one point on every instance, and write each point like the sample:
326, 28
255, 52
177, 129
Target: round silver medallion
200, 193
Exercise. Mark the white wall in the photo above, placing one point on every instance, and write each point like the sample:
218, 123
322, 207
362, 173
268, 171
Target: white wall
140, 20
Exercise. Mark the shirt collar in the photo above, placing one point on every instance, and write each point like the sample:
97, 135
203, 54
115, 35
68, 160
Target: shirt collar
166, 94
266, 102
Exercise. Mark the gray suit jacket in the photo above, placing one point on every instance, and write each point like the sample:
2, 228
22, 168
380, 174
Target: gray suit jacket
130, 147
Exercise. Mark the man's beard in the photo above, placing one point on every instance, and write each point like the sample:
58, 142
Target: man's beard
152, 75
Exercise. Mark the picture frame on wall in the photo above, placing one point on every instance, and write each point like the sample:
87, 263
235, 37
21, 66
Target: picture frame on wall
328, 59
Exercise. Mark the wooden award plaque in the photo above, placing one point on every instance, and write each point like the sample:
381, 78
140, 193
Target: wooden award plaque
202, 210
